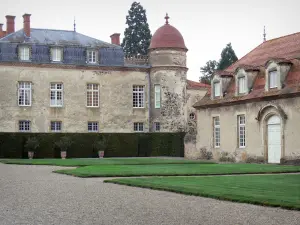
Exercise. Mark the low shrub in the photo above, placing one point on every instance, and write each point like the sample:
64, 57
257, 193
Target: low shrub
204, 154
226, 157
255, 159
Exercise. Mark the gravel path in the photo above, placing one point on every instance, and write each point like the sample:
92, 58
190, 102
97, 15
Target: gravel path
32, 195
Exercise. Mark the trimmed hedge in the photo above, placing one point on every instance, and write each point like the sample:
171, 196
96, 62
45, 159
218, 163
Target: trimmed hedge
119, 144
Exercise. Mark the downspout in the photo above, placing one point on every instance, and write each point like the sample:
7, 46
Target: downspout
149, 101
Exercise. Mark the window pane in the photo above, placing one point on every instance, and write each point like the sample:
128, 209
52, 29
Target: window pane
273, 79
217, 89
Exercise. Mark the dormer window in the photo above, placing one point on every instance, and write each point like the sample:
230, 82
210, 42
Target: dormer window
242, 85
91, 56
273, 79
217, 89
24, 53
56, 54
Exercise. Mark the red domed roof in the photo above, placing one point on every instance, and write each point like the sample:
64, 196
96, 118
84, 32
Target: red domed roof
167, 36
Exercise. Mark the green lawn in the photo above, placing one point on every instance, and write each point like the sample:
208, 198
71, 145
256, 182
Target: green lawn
103, 161
271, 190
175, 170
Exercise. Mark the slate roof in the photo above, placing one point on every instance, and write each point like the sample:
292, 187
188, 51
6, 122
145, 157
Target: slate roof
58, 37
285, 49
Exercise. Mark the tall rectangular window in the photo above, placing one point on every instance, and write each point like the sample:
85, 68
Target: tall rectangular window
157, 96
242, 131
273, 79
138, 96
24, 53
242, 85
217, 134
55, 126
157, 126
138, 127
56, 54
92, 95
24, 125
24, 93
93, 127
56, 94
217, 89
91, 56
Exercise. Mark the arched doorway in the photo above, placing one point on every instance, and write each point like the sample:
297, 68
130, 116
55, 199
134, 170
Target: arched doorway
274, 139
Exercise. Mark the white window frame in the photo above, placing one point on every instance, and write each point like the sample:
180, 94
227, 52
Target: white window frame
24, 89
56, 126
138, 127
242, 85
92, 90
91, 56
56, 54
138, 96
93, 126
242, 131
56, 92
24, 126
273, 79
157, 97
24, 52
217, 89
157, 126
217, 130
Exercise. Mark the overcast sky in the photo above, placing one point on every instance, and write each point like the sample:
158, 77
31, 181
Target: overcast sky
206, 25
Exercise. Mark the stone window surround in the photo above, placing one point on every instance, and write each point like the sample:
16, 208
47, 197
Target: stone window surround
282, 71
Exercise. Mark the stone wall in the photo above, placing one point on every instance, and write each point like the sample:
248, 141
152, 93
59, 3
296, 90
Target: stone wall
256, 137
115, 113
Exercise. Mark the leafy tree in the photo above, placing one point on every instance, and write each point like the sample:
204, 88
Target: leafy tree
228, 57
137, 35
208, 71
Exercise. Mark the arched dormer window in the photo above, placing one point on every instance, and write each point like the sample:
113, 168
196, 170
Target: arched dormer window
244, 79
276, 71
220, 83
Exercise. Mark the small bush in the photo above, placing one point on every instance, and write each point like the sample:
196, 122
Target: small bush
64, 143
226, 157
255, 159
31, 144
100, 145
206, 154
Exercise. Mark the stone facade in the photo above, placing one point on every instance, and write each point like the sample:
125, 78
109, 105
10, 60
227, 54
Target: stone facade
256, 135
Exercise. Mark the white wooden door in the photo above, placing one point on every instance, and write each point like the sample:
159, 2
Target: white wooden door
274, 140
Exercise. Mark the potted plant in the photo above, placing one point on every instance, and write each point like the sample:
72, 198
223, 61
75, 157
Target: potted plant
31, 145
63, 144
100, 146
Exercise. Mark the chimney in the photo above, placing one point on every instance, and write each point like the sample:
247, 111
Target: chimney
115, 38
10, 24
26, 26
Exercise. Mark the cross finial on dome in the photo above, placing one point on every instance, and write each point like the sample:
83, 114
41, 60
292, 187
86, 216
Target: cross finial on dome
167, 18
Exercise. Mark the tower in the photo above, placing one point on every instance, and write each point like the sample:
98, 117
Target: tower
167, 57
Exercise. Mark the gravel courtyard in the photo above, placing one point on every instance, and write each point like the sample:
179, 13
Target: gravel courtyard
33, 195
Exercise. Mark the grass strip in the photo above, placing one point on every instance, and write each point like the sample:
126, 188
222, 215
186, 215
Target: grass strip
267, 190
176, 170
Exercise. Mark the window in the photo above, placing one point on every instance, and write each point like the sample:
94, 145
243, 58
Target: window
24, 94
139, 127
242, 85
217, 89
56, 126
24, 53
56, 94
138, 96
92, 95
93, 126
24, 125
91, 56
273, 79
157, 96
217, 134
192, 116
157, 126
56, 54
241, 131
